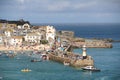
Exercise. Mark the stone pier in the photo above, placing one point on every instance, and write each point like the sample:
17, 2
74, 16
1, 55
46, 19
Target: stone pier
77, 63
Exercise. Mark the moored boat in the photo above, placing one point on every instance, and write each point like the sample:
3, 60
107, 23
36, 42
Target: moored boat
0, 54
90, 68
66, 63
34, 60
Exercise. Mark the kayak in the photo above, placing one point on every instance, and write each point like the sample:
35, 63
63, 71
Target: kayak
25, 70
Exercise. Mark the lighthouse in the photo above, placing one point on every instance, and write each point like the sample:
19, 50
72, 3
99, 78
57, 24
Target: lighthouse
84, 52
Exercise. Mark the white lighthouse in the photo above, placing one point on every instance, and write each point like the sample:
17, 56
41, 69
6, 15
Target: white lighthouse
84, 52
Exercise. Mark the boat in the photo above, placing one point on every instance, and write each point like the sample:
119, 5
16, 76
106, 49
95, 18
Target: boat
10, 55
90, 68
0, 54
26, 70
66, 63
44, 57
33, 60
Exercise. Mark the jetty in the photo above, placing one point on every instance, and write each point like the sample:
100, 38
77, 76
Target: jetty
77, 42
92, 44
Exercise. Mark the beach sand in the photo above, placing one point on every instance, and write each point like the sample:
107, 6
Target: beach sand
24, 48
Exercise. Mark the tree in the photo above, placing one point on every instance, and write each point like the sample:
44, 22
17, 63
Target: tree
43, 41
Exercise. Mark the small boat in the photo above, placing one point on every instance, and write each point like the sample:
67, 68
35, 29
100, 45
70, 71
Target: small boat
44, 57
25, 70
0, 54
33, 60
10, 55
90, 68
66, 63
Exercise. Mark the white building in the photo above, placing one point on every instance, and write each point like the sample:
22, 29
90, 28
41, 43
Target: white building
50, 33
8, 32
24, 26
1, 38
16, 40
33, 37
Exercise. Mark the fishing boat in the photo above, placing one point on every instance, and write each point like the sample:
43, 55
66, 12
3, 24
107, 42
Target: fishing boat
26, 70
90, 68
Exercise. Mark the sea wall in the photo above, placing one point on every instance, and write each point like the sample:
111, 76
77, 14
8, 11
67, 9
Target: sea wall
77, 63
97, 44
82, 63
58, 58
90, 43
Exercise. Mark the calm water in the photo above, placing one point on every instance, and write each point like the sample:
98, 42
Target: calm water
91, 30
105, 59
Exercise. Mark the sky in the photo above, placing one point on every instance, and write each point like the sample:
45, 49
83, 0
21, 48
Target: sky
61, 11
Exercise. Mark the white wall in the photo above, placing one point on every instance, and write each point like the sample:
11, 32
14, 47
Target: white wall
1, 40
15, 41
50, 32
33, 38
7, 33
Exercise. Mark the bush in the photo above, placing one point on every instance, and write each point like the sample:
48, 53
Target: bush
43, 41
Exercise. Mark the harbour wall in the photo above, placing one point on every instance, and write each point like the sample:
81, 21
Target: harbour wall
78, 42
77, 63
91, 44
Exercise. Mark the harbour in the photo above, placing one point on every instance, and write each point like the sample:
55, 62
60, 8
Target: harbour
54, 70
59, 40
106, 59
64, 57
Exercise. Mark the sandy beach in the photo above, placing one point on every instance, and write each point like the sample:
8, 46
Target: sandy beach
24, 48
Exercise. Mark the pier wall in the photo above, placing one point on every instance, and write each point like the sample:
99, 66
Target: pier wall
92, 44
82, 63
74, 63
58, 58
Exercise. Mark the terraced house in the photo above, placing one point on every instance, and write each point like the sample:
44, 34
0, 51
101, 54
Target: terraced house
21, 32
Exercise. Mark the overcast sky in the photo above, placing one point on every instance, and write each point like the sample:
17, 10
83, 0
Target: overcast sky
61, 11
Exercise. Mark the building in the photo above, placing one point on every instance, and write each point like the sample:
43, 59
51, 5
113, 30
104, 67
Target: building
8, 32
14, 30
69, 34
3, 23
40, 29
50, 33
33, 37
20, 32
20, 24
16, 40
23, 26
1, 38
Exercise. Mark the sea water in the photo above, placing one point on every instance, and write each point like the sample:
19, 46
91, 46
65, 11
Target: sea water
106, 59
